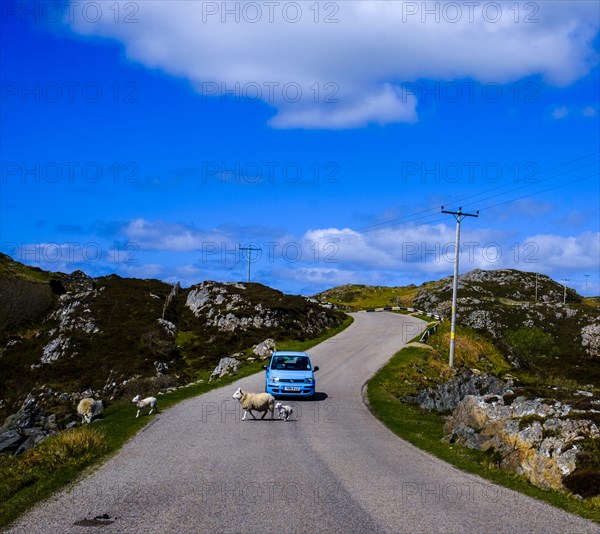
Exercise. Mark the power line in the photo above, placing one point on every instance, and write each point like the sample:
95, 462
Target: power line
388, 226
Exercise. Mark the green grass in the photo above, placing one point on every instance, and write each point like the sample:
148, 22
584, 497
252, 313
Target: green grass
36, 475
10, 267
361, 297
425, 430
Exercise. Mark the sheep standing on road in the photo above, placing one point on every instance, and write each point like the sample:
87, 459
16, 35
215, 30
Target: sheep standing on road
89, 408
284, 410
260, 402
142, 403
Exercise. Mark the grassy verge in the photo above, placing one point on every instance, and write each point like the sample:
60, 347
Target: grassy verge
425, 429
38, 473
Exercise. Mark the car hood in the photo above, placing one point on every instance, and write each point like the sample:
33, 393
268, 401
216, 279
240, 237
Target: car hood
296, 375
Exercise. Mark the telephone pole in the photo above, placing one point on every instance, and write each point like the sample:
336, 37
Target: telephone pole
586, 284
459, 216
536, 285
249, 249
565, 280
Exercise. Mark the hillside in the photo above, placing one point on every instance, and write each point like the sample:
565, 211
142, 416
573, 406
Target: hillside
500, 303
355, 297
63, 335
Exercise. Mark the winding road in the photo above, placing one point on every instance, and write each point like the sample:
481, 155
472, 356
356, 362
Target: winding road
334, 468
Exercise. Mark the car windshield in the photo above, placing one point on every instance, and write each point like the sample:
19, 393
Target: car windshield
291, 363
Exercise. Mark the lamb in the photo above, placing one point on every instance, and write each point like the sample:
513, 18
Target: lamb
142, 403
284, 411
261, 402
89, 408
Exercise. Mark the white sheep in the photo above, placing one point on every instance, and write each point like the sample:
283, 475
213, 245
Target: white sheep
284, 410
260, 402
142, 403
89, 408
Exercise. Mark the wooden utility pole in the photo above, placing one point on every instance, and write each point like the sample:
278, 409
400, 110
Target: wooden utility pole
249, 249
459, 216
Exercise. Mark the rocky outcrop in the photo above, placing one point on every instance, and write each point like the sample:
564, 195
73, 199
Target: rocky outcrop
161, 368
228, 311
446, 397
168, 326
264, 349
227, 367
507, 287
537, 438
590, 338
26, 428
533, 438
73, 314
243, 307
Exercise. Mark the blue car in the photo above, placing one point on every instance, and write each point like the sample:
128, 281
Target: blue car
290, 374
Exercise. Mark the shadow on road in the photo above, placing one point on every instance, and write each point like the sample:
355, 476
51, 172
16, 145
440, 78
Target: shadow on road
320, 396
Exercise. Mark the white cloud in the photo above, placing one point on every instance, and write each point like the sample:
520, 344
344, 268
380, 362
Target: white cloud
589, 111
160, 235
388, 105
560, 112
426, 252
364, 57
560, 254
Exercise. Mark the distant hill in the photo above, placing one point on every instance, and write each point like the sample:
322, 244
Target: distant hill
355, 297
502, 305
71, 333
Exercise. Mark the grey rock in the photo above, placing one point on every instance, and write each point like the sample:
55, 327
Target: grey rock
590, 338
55, 349
32, 441
169, 327
161, 368
227, 366
446, 397
264, 349
543, 449
10, 441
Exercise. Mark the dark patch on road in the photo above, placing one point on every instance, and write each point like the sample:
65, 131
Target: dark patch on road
98, 521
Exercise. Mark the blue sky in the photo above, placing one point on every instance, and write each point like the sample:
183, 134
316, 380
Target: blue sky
153, 139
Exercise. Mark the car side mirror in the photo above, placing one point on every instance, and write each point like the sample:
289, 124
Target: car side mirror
264, 367
316, 368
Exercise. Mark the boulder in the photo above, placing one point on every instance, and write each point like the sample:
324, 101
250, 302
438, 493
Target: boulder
264, 349
227, 367
161, 368
446, 397
10, 441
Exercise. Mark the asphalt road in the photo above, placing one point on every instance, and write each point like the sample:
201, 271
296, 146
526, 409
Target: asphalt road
332, 468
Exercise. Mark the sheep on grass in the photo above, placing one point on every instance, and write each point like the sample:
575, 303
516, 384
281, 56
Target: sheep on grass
89, 408
142, 403
260, 402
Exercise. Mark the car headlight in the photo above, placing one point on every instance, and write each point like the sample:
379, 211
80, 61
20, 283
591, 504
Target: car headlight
309, 380
274, 379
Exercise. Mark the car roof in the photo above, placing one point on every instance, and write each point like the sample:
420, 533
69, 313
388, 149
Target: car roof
288, 353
